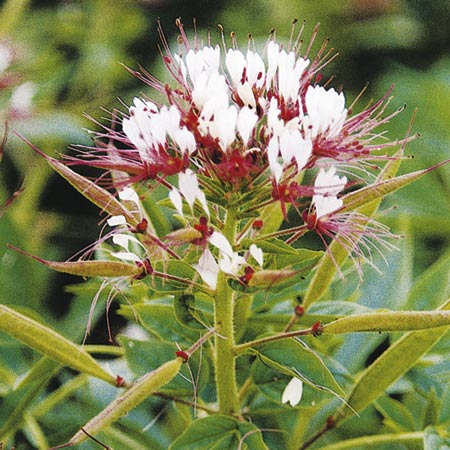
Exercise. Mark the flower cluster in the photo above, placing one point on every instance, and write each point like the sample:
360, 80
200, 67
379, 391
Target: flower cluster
245, 133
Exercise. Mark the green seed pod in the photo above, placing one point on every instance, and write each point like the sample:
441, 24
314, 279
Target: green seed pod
268, 278
137, 393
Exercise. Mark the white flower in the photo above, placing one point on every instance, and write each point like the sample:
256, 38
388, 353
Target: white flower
21, 99
326, 111
130, 244
326, 188
257, 254
189, 187
208, 268
293, 392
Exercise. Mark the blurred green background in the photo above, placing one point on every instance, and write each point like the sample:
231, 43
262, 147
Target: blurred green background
73, 53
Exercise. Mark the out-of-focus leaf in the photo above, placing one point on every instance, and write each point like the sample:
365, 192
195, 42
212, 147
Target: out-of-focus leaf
396, 416
436, 439
17, 403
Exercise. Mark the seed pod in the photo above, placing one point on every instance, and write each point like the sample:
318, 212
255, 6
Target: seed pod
268, 278
137, 393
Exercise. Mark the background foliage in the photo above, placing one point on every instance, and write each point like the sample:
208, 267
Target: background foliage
71, 51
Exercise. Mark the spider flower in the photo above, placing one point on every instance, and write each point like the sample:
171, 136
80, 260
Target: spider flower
245, 130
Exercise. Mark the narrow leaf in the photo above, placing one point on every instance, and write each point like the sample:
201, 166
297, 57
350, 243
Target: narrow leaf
47, 341
138, 392
389, 321
391, 365
17, 403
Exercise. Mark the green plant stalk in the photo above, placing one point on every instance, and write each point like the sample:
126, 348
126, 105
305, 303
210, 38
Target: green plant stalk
225, 367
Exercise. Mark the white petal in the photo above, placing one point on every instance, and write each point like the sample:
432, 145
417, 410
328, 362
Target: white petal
208, 268
130, 195
326, 111
177, 201
293, 392
126, 256
113, 221
124, 240
235, 62
231, 265
257, 254
221, 242
246, 122
326, 187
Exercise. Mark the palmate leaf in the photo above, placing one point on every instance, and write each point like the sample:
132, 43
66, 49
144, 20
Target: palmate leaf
218, 433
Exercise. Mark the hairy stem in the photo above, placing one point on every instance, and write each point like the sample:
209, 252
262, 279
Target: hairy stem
225, 368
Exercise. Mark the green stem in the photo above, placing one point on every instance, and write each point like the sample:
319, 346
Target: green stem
225, 369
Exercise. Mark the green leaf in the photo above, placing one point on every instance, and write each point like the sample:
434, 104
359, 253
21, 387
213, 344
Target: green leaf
17, 403
45, 340
391, 365
396, 416
293, 358
159, 319
219, 433
389, 321
186, 314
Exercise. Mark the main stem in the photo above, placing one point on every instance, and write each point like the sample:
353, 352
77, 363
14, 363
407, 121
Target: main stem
225, 368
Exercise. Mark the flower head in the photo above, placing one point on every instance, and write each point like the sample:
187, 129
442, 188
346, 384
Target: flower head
244, 130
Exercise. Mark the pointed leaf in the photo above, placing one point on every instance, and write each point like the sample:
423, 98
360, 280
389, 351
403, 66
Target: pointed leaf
50, 343
292, 357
